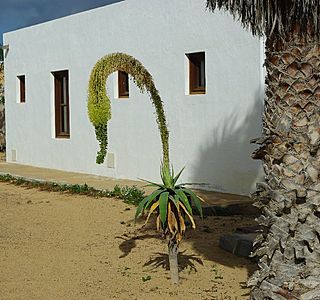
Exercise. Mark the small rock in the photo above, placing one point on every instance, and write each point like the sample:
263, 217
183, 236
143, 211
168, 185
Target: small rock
238, 243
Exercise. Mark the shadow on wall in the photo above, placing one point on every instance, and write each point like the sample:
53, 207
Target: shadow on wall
225, 163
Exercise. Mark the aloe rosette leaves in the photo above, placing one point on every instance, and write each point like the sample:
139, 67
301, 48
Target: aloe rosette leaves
173, 203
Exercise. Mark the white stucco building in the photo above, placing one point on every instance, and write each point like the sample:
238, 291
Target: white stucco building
209, 129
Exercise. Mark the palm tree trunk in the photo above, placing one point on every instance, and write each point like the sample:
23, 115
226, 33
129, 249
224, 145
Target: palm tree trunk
173, 260
289, 249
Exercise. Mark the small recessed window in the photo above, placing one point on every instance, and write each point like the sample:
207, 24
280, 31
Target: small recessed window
61, 100
197, 74
123, 84
22, 88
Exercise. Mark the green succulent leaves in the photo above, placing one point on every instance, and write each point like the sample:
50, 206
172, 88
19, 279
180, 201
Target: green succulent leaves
99, 107
163, 206
172, 201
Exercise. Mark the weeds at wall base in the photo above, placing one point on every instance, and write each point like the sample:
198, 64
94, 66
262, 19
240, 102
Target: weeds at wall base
130, 195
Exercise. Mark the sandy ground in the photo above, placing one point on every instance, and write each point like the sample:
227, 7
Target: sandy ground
56, 246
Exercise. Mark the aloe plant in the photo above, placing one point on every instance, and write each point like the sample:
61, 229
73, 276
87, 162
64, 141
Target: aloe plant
173, 203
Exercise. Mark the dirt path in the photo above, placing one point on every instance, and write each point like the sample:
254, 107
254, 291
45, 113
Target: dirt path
55, 246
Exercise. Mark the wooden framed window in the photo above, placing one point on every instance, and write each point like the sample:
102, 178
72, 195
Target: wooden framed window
197, 73
61, 100
22, 88
123, 84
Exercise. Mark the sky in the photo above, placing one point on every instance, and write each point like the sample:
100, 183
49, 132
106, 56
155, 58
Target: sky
16, 14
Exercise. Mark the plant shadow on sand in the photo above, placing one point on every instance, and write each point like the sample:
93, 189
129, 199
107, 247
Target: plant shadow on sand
199, 248
186, 262
130, 242
158, 259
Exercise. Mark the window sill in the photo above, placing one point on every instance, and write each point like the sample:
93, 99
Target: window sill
198, 93
63, 136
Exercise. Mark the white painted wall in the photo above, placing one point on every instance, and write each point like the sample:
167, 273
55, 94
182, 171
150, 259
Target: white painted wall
209, 134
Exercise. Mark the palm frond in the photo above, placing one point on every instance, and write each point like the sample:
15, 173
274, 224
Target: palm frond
278, 17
